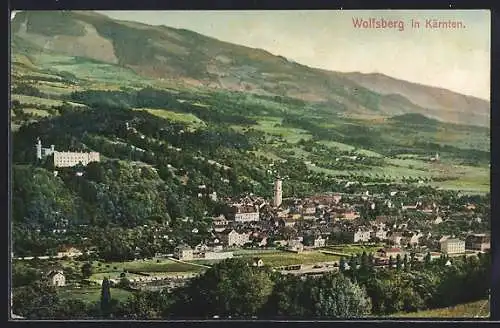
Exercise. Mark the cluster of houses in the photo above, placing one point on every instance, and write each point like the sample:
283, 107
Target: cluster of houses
298, 224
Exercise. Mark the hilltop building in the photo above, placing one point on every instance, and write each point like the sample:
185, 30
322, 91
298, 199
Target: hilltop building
278, 192
65, 158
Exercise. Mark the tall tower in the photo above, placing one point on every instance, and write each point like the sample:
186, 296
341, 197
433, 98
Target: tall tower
278, 192
38, 148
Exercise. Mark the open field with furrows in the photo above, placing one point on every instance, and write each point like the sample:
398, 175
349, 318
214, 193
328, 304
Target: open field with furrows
92, 294
289, 258
478, 309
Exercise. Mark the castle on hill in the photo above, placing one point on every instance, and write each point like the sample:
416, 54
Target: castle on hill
65, 158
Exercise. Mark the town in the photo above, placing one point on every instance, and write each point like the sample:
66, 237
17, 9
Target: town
324, 231
160, 173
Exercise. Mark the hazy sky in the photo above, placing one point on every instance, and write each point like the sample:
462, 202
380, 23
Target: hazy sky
456, 59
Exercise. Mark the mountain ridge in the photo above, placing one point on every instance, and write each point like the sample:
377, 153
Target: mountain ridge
196, 60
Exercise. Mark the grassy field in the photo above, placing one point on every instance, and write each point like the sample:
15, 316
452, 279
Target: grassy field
92, 294
88, 69
288, 258
23, 99
164, 265
271, 125
352, 249
36, 112
479, 309
185, 118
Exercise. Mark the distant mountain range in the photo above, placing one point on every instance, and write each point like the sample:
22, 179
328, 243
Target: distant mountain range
195, 60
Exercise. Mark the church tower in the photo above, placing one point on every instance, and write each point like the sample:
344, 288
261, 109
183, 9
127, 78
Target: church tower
38, 148
278, 192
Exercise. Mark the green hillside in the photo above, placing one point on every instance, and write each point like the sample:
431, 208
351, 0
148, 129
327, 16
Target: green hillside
179, 57
479, 309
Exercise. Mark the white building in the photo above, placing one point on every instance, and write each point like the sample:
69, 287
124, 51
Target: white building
278, 192
234, 238
360, 235
452, 246
183, 253
66, 159
57, 278
319, 242
246, 213
219, 223
380, 233
70, 159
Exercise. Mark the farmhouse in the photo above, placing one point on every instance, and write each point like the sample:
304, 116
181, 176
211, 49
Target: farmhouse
183, 253
57, 278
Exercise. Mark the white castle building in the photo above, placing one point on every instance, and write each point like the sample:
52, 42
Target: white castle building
65, 158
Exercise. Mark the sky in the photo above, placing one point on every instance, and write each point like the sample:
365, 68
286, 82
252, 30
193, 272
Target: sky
457, 59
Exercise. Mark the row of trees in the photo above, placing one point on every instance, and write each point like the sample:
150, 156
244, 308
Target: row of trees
235, 289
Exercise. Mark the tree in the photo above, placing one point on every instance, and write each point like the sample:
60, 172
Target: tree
331, 296
106, 297
406, 262
219, 291
87, 270
36, 301
398, 261
427, 259
342, 264
337, 297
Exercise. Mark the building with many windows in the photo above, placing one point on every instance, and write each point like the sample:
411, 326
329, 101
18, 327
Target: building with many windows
452, 246
65, 158
478, 242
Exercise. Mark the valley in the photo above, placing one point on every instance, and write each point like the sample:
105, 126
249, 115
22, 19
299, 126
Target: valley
190, 132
